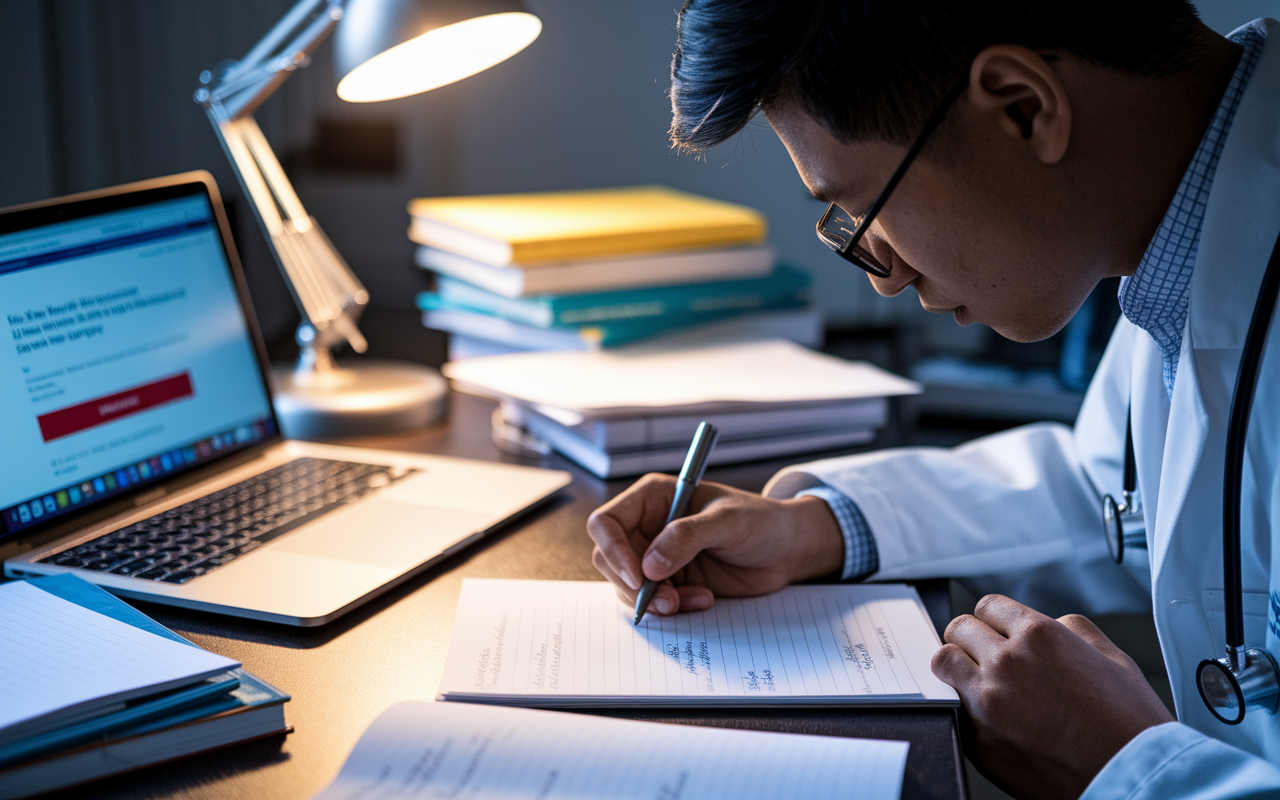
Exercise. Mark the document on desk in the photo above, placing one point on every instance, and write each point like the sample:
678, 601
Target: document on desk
417, 749
572, 644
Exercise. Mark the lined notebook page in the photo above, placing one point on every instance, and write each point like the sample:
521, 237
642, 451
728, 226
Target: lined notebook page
61, 657
566, 643
417, 749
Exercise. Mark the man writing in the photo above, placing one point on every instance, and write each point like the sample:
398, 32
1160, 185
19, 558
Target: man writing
1001, 158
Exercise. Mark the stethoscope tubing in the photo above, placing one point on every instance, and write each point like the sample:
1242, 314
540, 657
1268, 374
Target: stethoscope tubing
1237, 430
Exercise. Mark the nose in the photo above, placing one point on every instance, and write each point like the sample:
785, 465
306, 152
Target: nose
900, 277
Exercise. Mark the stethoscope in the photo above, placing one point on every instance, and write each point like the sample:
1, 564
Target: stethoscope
1246, 677
1122, 519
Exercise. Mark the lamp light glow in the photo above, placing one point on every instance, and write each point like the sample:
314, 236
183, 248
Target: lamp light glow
440, 57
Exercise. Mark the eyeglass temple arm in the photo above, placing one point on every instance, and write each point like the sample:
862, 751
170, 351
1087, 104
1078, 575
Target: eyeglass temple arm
929, 128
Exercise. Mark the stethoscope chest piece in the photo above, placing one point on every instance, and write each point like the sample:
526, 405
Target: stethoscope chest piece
1123, 525
1122, 521
1228, 688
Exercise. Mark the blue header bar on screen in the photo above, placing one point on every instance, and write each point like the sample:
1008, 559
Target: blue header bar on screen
66, 240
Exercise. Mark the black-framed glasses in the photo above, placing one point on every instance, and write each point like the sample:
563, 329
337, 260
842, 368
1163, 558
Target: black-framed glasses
842, 233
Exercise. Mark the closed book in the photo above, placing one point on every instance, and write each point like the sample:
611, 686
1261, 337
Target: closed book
546, 227
480, 325
800, 325
598, 275
787, 287
669, 458
128, 740
618, 434
440, 314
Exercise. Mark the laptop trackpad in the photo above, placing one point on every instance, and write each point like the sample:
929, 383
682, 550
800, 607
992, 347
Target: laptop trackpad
384, 532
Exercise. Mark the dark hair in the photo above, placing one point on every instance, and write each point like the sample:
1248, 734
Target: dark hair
878, 68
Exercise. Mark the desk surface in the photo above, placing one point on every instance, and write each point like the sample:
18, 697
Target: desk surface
341, 676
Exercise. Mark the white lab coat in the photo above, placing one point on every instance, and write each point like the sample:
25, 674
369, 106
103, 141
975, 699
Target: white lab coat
1020, 512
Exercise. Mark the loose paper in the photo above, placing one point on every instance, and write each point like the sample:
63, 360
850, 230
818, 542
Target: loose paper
635, 378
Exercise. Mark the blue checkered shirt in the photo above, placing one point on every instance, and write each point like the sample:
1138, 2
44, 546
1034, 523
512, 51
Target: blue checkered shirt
1156, 296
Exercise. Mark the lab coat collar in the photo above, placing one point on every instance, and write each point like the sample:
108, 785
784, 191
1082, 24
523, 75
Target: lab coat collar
1242, 217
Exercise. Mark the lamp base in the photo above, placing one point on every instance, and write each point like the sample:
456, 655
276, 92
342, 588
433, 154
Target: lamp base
365, 399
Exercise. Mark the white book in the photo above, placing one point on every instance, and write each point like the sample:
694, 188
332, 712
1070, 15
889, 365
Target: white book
600, 275
618, 434
417, 749
693, 379
669, 458
565, 644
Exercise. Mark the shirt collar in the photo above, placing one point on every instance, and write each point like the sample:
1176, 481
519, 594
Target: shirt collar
1155, 297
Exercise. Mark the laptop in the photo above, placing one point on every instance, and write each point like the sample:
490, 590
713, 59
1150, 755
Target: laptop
141, 451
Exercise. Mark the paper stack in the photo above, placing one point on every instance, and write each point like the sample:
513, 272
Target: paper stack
633, 409
588, 269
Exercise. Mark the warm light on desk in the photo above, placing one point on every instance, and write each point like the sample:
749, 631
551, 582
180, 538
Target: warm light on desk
439, 57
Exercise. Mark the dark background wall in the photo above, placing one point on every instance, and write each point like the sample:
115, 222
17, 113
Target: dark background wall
98, 92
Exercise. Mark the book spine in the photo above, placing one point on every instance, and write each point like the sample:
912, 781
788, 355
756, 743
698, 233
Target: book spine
472, 245
787, 289
603, 275
440, 314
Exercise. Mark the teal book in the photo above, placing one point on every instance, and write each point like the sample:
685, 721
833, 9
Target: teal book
786, 287
235, 706
463, 321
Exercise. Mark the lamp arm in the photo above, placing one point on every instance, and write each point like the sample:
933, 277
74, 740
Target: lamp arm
239, 87
327, 293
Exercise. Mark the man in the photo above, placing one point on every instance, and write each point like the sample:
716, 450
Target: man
1059, 143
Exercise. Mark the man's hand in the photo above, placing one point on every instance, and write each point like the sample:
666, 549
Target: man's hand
1051, 700
733, 544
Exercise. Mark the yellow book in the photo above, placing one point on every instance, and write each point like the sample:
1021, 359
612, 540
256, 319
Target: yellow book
548, 227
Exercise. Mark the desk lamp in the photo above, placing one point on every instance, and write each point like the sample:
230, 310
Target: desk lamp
384, 49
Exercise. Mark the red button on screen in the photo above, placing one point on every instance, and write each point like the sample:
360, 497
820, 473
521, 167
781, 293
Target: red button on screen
66, 421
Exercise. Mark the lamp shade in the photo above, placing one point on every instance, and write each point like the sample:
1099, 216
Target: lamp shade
394, 48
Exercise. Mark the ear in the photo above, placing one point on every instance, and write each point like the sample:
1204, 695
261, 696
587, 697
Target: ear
1021, 93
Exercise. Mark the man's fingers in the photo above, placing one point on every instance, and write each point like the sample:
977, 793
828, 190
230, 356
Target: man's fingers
1004, 615
1084, 628
954, 667
681, 542
625, 592
975, 637
613, 549
695, 598
633, 515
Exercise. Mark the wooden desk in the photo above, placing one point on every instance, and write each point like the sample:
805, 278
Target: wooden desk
341, 676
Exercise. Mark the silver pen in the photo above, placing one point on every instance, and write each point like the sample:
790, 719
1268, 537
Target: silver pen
695, 463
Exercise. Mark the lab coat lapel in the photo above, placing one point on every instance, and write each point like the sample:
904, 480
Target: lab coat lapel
1241, 222
1240, 225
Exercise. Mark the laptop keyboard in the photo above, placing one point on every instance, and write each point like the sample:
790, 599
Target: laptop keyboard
193, 539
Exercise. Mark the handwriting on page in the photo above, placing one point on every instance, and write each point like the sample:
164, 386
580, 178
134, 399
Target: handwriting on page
575, 639
417, 749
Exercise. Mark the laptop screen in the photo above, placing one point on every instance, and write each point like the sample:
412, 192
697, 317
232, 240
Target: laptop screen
126, 356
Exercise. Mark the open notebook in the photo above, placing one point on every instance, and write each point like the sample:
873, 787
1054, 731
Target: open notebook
417, 749
571, 644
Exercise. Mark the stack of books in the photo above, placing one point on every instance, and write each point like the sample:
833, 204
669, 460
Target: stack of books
582, 270
94, 688
634, 409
